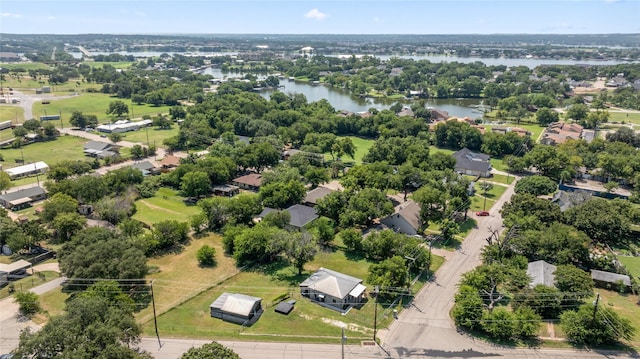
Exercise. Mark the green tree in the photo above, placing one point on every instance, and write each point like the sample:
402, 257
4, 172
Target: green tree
365, 206
28, 302
117, 108
168, 233
602, 220
5, 181
536, 185
391, 272
499, 323
352, 239
301, 249
57, 204
545, 116
195, 184
66, 225
115, 137
607, 327
131, 228
574, 283
278, 219
577, 112
212, 350
137, 152
206, 255
282, 194
468, 308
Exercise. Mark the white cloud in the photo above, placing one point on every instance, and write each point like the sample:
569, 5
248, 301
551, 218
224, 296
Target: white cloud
316, 14
8, 14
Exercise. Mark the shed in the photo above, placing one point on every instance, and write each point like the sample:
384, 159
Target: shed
237, 308
284, 308
226, 190
605, 279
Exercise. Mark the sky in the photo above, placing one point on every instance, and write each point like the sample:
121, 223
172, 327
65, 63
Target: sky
319, 17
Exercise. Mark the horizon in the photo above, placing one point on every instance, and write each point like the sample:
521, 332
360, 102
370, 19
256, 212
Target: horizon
355, 17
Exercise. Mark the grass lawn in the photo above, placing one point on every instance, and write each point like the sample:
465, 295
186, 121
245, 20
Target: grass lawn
62, 148
29, 212
499, 178
155, 135
434, 149
362, 146
10, 113
477, 201
498, 164
166, 204
25, 284
626, 306
308, 322
632, 264
625, 117
117, 65
25, 66
52, 304
465, 228
90, 104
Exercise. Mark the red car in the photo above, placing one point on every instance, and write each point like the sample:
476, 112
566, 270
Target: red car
482, 213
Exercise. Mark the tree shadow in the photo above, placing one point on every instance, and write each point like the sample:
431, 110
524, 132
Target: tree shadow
354, 255
282, 271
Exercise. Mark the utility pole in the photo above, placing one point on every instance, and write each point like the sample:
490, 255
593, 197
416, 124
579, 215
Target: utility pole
342, 340
595, 305
60, 115
155, 320
376, 290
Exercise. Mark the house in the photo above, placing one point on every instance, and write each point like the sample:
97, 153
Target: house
147, 168
471, 163
559, 132
333, 289
608, 279
22, 198
99, 149
123, 126
405, 112
237, 308
300, 215
406, 218
541, 272
312, 197
27, 170
522, 132
567, 200
226, 190
251, 182
169, 162
13, 271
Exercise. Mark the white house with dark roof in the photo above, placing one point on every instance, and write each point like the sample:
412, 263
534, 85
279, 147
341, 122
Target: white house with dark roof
406, 218
333, 289
472, 163
300, 215
236, 308
22, 198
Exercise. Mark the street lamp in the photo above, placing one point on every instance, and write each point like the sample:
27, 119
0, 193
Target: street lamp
376, 291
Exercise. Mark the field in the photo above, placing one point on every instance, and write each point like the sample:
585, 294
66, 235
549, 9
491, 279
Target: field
308, 322
11, 113
62, 148
626, 306
90, 104
166, 204
362, 146
626, 117
632, 264
117, 65
155, 135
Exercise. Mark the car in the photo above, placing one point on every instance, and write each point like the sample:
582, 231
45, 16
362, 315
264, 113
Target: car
6, 356
482, 213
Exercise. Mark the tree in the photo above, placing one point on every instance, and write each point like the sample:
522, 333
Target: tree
100, 253
606, 327
352, 239
301, 249
67, 224
168, 233
31, 125
323, 231
499, 323
195, 184
602, 220
82, 121
468, 308
212, 350
28, 302
131, 228
115, 137
137, 152
177, 112
117, 108
536, 185
59, 203
365, 206
391, 272
206, 256
544, 300
282, 194
577, 112
278, 219
545, 116
5, 181
259, 244
573, 283
91, 327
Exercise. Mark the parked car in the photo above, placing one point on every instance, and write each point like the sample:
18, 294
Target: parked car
482, 213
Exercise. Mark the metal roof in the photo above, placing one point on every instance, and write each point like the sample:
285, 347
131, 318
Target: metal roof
22, 193
609, 277
15, 266
36, 166
234, 303
541, 272
333, 283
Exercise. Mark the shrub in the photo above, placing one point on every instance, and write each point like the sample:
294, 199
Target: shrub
206, 256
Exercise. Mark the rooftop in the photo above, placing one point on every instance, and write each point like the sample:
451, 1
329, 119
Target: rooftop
333, 283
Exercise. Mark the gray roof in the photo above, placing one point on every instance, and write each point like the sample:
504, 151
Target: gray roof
97, 145
23, 193
266, 211
541, 272
568, 200
143, 166
317, 193
468, 160
332, 283
301, 215
235, 303
410, 211
609, 277
15, 266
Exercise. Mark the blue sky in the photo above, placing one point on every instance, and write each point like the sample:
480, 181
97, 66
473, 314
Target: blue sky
320, 17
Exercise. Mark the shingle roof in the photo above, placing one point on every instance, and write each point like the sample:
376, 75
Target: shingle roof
97, 145
609, 277
541, 272
469, 160
317, 193
301, 215
332, 283
22, 193
252, 179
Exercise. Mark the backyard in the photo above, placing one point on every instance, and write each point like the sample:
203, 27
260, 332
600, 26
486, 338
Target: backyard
156, 136
166, 204
62, 148
11, 113
362, 146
